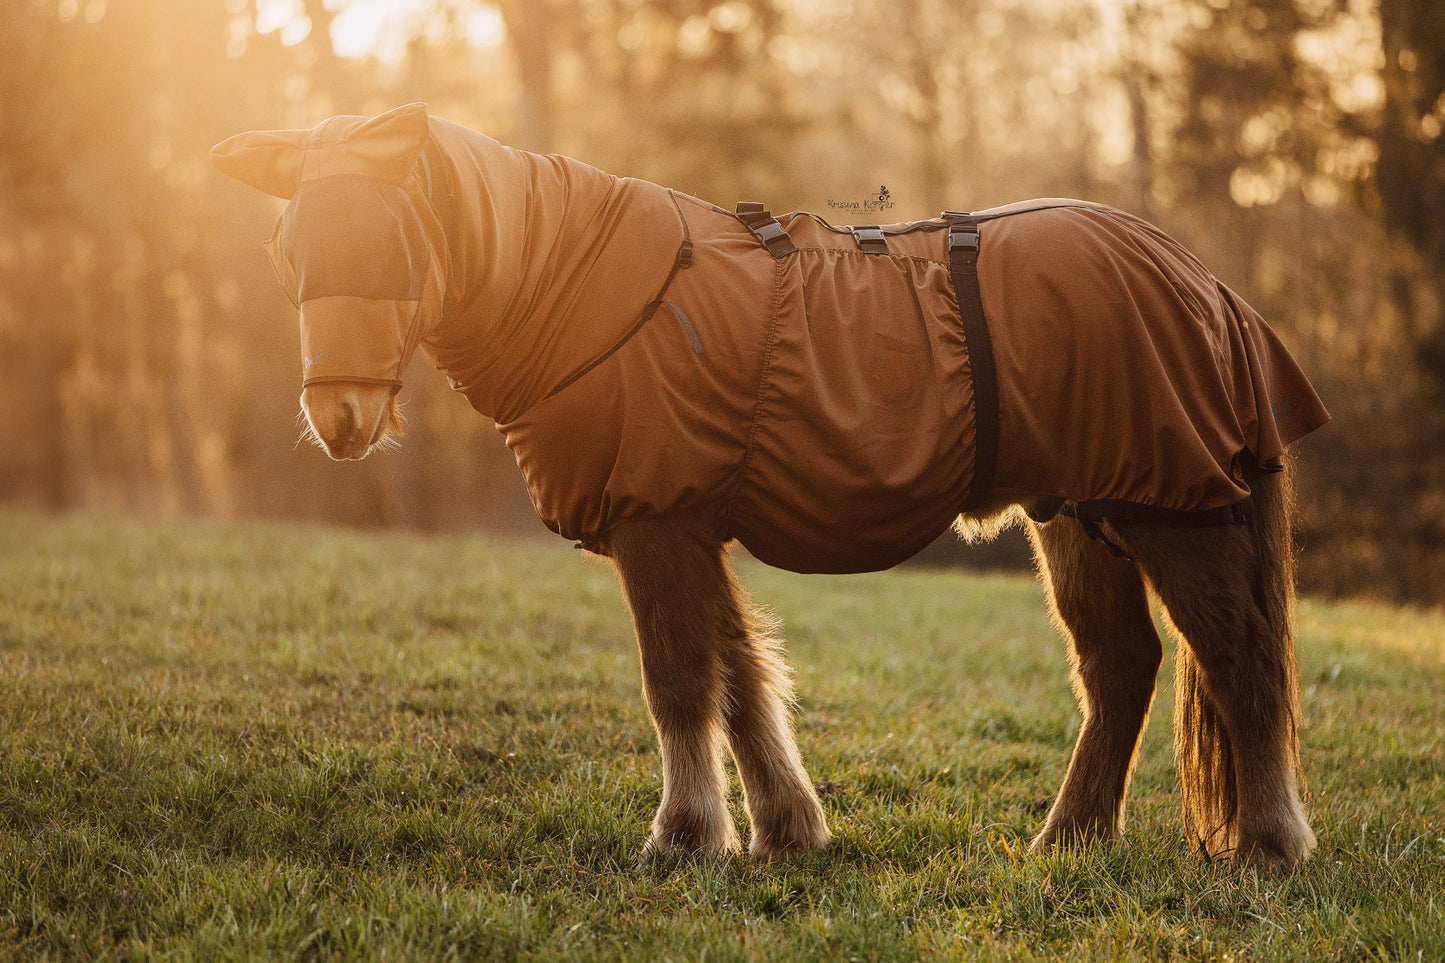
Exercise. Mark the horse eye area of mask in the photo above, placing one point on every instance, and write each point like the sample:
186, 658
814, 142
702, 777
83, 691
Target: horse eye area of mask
355, 250
349, 235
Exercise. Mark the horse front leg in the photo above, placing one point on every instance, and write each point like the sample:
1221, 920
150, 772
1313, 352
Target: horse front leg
782, 804
671, 581
711, 668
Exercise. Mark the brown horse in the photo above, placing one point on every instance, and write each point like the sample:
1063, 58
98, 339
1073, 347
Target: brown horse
673, 377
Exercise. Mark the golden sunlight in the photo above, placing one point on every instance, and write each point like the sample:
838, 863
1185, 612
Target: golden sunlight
380, 28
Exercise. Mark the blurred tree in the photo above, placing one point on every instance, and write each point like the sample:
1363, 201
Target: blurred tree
1412, 152
684, 92
531, 31
1411, 170
1140, 72
1268, 147
936, 93
34, 133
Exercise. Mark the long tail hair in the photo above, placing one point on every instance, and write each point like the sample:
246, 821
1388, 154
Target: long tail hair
1202, 747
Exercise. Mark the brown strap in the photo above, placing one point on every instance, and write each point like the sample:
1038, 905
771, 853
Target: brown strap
963, 247
765, 228
682, 262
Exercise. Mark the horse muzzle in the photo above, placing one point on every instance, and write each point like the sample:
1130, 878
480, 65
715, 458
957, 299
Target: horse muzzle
349, 418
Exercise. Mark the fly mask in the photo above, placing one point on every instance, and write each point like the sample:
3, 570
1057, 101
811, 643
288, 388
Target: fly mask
358, 249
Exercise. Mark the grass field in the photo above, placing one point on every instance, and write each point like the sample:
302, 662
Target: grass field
243, 741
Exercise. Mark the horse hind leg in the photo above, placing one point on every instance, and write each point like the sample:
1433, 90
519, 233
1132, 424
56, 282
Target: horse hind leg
1227, 590
1100, 605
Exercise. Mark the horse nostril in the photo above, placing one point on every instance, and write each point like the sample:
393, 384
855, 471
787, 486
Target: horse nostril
350, 418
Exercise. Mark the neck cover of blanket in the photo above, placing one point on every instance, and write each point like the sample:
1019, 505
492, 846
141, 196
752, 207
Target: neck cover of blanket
822, 400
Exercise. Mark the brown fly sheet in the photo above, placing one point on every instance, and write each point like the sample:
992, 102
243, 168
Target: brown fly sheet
645, 352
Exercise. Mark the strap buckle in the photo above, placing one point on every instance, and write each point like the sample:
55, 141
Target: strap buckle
870, 238
756, 218
963, 239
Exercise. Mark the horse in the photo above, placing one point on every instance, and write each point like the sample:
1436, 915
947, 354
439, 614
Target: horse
673, 377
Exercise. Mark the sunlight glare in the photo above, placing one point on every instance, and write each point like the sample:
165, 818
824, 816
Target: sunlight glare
357, 29
378, 28
273, 15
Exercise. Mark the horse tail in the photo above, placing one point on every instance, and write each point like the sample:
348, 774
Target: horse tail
1205, 760
1203, 750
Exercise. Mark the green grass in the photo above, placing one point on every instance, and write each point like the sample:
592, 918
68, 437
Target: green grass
245, 741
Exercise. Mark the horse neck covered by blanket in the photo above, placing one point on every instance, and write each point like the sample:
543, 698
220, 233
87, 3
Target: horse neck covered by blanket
672, 376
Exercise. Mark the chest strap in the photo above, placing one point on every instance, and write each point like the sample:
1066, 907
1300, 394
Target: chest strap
765, 228
963, 248
682, 262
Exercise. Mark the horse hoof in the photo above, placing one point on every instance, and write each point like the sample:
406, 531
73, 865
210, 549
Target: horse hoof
812, 836
716, 845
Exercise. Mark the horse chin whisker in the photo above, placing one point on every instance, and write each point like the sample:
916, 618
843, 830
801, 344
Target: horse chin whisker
392, 431
307, 434
396, 420
394, 427
387, 442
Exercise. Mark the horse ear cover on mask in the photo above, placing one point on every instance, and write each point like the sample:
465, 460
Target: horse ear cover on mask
280, 161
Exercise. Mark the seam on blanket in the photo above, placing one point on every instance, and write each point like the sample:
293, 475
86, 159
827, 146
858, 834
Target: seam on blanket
435, 183
764, 379
855, 253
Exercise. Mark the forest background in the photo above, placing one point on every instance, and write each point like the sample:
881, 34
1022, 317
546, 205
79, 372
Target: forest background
149, 362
